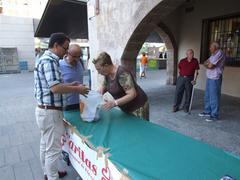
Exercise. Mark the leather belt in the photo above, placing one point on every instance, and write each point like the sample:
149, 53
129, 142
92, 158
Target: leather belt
187, 76
50, 107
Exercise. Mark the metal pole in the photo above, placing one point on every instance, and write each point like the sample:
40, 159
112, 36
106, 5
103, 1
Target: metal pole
191, 101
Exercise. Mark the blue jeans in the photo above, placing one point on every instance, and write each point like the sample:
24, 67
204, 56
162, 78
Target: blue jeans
212, 97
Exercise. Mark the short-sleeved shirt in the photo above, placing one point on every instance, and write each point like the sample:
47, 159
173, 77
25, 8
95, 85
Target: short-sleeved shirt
46, 75
217, 59
144, 60
70, 74
187, 68
120, 84
125, 80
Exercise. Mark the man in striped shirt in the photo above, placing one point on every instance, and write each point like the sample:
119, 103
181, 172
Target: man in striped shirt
48, 90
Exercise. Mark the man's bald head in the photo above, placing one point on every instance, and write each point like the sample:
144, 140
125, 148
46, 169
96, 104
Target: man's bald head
74, 48
74, 54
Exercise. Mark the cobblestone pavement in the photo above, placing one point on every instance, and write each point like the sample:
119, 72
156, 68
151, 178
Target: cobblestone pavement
19, 134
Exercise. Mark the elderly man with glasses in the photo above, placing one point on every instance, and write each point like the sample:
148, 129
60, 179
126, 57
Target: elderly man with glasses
72, 69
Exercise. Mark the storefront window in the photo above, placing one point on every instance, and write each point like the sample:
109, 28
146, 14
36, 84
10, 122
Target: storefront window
226, 31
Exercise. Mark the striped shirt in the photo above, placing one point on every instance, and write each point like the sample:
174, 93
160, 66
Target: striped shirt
217, 59
46, 75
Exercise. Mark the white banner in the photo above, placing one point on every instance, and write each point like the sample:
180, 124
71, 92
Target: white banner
89, 163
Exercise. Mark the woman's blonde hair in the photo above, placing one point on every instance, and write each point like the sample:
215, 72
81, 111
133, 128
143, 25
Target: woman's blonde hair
103, 58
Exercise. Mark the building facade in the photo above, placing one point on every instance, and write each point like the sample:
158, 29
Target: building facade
121, 27
17, 31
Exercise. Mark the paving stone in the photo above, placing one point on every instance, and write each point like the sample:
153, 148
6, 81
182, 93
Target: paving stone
18, 128
36, 148
7, 129
12, 155
19, 133
28, 137
2, 158
30, 125
4, 141
23, 171
7, 173
36, 169
15, 139
25, 152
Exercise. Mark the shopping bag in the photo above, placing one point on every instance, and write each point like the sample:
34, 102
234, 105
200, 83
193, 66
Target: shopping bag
108, 97
90, 106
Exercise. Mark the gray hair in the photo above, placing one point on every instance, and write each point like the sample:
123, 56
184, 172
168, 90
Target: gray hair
216, 45
103, 58
190, 50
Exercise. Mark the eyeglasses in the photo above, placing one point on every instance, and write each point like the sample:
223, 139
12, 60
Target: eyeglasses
65, 48
75, 56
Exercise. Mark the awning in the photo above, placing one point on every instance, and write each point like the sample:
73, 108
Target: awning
67, 16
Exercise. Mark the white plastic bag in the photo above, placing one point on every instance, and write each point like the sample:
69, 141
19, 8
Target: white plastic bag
90, 106
108, 97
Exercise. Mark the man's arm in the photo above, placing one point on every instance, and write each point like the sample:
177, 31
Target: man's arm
64, 88
52, 76
195, 77
207, 64
212, 62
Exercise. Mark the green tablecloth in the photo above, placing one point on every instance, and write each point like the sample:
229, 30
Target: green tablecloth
149, 151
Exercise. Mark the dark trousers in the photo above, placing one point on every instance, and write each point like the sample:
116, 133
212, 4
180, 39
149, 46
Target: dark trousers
183, 85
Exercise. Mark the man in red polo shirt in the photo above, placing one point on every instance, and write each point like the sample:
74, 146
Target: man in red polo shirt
188, 71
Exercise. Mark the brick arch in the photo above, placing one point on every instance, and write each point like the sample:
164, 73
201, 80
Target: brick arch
153, 22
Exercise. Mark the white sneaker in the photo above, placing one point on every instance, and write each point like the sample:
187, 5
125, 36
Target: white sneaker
210, 119
203, 114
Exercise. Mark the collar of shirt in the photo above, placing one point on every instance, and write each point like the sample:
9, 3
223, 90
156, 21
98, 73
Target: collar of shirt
216, 52
186, 59
65, 62
52, 55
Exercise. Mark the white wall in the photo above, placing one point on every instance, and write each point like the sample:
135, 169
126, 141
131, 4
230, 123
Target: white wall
18, 32
190, 37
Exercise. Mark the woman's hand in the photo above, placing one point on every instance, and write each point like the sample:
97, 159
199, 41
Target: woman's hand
108, 105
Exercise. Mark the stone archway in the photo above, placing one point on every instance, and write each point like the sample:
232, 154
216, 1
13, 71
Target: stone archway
121, 32
153, 21
135, 43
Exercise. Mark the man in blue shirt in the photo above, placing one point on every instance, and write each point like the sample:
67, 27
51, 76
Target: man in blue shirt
72, 71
